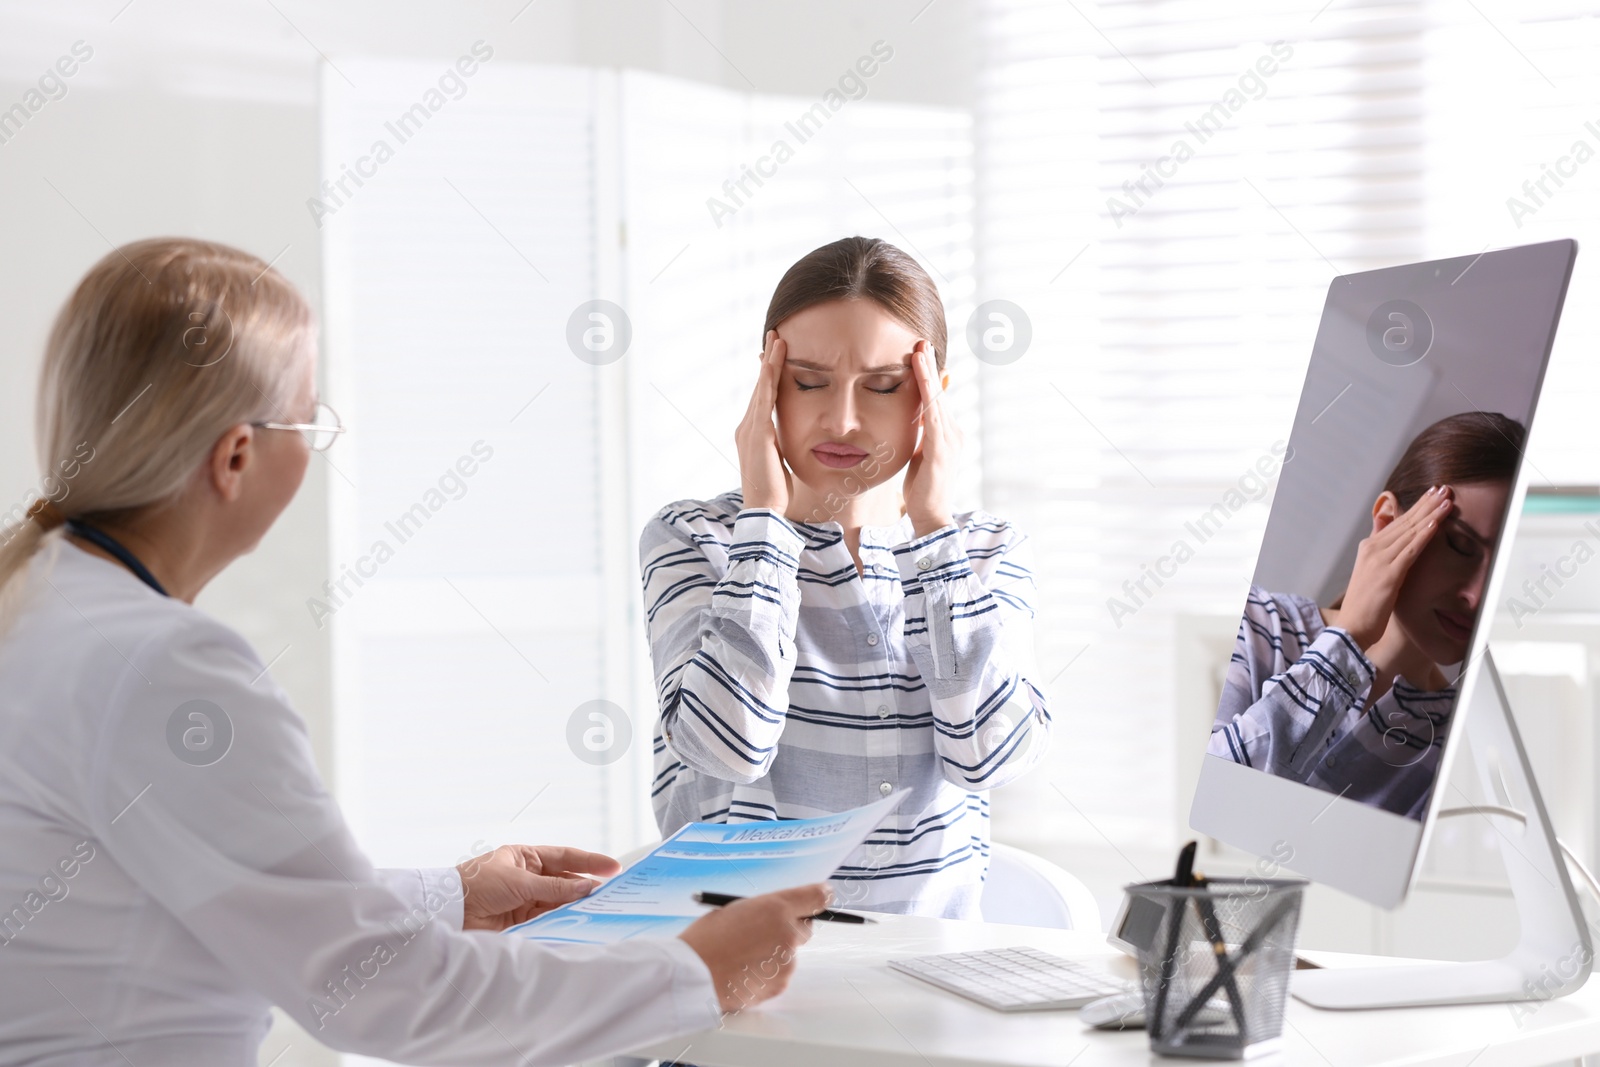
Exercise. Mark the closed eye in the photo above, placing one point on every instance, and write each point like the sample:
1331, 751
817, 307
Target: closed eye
806, 387
1463, 539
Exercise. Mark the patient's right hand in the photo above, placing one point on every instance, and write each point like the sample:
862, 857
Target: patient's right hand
750, 945
763, 478
1384, 559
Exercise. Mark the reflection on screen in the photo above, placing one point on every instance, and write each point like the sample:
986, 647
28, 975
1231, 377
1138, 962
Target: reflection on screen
1372, 574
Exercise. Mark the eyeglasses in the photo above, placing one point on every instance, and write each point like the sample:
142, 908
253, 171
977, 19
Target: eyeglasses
320, 431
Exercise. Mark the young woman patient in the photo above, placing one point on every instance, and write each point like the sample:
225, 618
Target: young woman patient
1352, 698
831, 632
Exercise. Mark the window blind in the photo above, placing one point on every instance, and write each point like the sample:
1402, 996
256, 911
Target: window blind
1168, 193
1166, 188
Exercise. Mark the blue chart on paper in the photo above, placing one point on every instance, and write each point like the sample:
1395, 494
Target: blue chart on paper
653, 898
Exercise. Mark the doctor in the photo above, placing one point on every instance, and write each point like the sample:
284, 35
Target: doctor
170, 862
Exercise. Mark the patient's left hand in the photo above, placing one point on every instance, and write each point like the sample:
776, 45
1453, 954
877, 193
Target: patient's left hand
932, 466
514, 883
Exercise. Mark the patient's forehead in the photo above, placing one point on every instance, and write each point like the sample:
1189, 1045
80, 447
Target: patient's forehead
855, 336
1480, 507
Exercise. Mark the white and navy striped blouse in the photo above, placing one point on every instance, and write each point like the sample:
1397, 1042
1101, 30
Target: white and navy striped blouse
1293, 701
790, 686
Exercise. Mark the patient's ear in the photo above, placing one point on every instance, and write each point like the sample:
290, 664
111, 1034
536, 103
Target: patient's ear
1385, 510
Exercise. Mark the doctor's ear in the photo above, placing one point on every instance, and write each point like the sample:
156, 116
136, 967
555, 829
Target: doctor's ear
1385, 510
230, 458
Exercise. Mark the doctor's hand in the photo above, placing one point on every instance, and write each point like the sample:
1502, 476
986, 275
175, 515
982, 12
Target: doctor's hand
514, 883
750, 945
932, 466
762, 475
1382, 562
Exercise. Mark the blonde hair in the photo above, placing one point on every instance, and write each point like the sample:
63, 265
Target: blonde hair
164, 344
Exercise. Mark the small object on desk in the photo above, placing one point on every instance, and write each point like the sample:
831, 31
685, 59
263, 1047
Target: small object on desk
827, 915
1216, 973
1013, 979
1121, 1011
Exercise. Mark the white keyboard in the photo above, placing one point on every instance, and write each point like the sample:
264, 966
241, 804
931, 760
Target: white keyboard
1014, 979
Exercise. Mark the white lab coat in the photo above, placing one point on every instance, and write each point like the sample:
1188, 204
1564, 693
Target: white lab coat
152, 906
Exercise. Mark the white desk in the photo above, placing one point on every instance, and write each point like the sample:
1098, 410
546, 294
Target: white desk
846, 1008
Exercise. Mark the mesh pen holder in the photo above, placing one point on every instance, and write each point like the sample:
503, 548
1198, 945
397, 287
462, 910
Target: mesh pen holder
1215, 970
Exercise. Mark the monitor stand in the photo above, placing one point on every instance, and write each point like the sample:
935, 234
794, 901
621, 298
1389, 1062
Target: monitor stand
1553, 955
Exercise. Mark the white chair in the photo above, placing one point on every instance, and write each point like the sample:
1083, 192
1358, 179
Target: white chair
1024, 890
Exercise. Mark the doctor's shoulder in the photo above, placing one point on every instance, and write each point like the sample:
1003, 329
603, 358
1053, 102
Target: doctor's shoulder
185, 650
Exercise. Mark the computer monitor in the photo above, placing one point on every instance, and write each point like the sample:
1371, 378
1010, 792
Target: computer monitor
1363, 628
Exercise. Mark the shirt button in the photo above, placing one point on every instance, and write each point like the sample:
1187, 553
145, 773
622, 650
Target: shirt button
883, 711
924, 563
885, 788
872, 639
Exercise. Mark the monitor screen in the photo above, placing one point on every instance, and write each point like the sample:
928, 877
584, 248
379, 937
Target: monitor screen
1368, 600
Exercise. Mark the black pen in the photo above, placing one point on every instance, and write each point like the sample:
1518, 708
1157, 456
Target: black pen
827, 915
1183, 877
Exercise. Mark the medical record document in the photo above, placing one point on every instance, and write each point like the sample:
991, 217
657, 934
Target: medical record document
654, 897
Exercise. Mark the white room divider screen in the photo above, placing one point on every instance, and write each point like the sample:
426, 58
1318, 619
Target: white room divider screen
476, 628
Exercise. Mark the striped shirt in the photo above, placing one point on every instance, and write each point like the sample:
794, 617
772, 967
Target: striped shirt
790, 686
1293, 701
